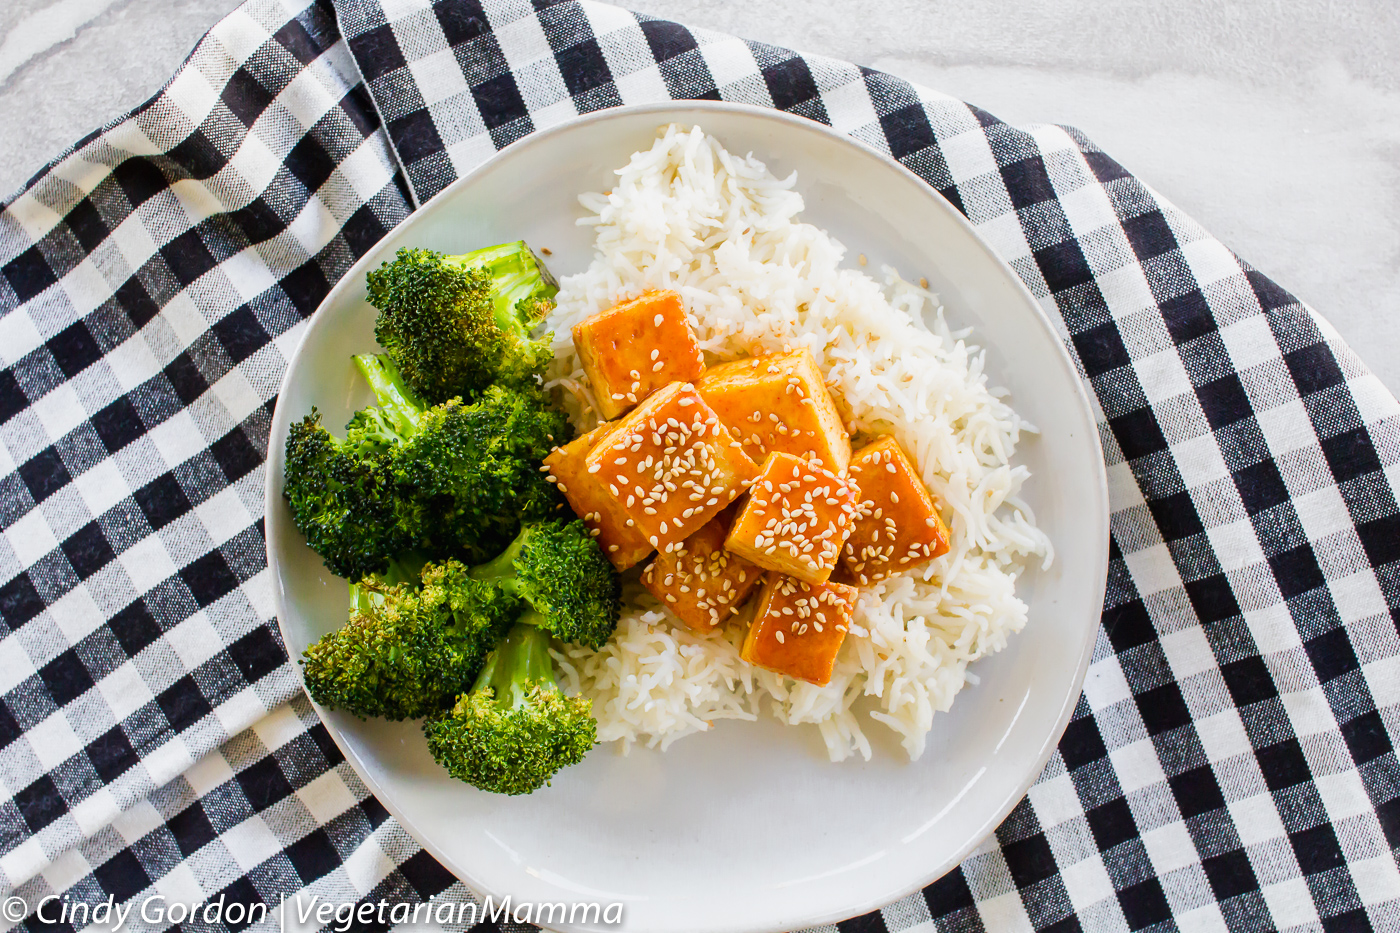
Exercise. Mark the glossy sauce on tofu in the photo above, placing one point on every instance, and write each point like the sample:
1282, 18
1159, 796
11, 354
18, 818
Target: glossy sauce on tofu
700, 582
668, 475
671, 466
799, 627
620, 540
898, 526
635, 348
796, 518
779, 403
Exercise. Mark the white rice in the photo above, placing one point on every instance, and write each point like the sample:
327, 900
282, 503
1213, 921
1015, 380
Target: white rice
722, 231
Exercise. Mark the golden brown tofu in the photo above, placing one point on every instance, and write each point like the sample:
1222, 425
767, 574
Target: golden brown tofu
779, 402
635, 348
608, 522
700, 582
796, 518
897, 526
671, 466
799, 627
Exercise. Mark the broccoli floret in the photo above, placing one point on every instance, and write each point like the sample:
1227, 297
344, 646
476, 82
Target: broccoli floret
455, 325
367, 594
560, 571
515, 730
472, 470
344, 497
411, 646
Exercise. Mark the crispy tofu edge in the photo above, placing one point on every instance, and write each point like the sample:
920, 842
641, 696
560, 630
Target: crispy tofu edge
770, 587
738, 463
594, 367
631, 547
737, 374
860, 461
761, 558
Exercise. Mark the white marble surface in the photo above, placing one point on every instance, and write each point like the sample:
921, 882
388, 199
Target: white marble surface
1276, 123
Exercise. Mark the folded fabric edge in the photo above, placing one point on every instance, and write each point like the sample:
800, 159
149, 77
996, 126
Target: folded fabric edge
186, 748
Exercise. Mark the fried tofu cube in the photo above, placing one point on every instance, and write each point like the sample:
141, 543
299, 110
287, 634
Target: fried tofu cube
898, 526
796, 518
671, 466
779, 403
619, 539
635, 348
700, 582
799, 627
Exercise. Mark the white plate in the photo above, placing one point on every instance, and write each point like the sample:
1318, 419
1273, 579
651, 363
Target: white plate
748, 827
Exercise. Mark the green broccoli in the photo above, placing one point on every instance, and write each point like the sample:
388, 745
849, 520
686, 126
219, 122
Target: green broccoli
410, 646
561, 573
344, 497
473, 470
367, 593
515, 729
455, 325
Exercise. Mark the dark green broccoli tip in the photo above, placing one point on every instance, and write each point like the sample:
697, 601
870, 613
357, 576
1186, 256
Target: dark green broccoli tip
409, 648
343, 497
458, 324
475, 470
515, 730
562, 573
452, 479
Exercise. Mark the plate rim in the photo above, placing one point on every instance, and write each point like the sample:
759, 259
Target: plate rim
281, 421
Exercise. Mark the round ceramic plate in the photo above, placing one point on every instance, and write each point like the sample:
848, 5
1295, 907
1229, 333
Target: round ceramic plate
747, 827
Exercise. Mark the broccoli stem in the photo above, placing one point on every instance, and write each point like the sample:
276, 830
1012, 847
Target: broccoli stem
396, 399
520, 661
516, 276
500, 570
406, 568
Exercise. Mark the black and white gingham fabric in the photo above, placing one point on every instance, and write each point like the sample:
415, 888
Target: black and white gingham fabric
1231, 764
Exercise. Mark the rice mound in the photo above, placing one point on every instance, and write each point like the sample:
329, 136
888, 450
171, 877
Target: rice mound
723, 232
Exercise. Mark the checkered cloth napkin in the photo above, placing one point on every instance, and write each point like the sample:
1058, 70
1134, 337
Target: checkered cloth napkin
1231, 764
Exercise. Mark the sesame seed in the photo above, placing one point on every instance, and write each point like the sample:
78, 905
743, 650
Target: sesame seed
657, 321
